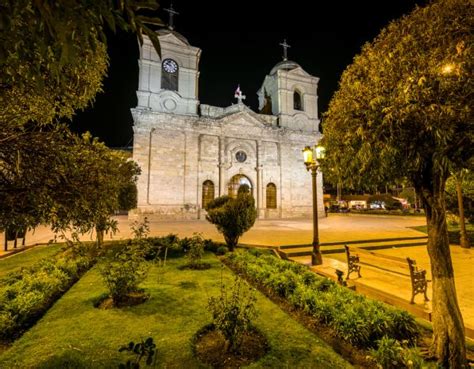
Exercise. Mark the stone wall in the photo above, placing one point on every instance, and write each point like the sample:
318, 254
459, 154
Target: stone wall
178, 153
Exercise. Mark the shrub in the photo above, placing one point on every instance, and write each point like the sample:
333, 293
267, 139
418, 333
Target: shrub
452, 219
123, 272
233, 312
354, 318
195, 251
232, 217
158, 247
26, 294
393, 354
388, 354
255, 252
222, 250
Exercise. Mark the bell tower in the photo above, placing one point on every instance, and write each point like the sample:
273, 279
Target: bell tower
169, 84
291, 94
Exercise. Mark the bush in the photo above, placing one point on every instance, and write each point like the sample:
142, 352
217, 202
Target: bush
391, 354
233, 312
232, 217
195, 250
452, 219
222, 250
159, 246
123, 272
27, 294
353, 317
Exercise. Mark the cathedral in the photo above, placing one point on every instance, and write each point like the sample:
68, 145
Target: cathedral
189, 153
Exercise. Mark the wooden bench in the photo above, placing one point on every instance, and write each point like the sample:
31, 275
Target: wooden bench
398, 266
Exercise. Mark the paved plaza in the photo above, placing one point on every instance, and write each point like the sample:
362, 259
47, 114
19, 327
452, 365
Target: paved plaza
335, 228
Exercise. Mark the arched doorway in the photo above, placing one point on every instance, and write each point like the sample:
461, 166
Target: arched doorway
207, 192
235, 183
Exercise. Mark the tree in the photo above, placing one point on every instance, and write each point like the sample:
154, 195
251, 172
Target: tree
52, 62
459, 188
93, 187
403, 109
232, 217
53, 53
66, 181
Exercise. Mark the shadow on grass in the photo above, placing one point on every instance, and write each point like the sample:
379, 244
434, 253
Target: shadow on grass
69, 359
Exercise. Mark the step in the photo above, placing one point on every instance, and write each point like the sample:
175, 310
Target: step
335, 249
377, 240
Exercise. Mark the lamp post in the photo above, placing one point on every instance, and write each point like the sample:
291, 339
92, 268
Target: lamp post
311, 156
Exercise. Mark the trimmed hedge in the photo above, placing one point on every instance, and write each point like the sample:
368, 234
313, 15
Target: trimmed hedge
27, 294
387, 212
353, 317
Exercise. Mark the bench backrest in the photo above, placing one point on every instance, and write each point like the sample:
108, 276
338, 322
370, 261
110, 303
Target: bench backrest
390, 263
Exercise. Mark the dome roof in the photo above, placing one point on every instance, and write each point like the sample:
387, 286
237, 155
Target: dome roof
285, 65
166, 31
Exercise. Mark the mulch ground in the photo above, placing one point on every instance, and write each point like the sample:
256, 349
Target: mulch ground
132, 299
210, 348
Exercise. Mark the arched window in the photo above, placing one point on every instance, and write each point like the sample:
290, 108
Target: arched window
297, 101
169, 75
235, 183
271, 196
207, 193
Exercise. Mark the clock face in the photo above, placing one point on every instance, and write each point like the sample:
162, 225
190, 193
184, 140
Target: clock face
170, 66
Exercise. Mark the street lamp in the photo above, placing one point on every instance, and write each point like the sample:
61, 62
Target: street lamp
311, 157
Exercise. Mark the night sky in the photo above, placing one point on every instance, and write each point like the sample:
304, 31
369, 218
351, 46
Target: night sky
240, 45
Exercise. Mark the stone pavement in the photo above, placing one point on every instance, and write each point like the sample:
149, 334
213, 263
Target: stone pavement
336, 227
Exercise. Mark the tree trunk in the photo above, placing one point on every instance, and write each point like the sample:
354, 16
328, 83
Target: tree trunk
448, 328
100, 236
231, 242
462, 221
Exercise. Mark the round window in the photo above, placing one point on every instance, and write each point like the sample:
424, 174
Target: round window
240, 156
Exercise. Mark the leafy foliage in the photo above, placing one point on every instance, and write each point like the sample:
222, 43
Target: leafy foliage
91, 193
404, 103
53, 54
66, 181
467, 186
391, 354
233, 312
27, 294
123, 271
354, 318
232, 217
53, 59
195, 251
142, 350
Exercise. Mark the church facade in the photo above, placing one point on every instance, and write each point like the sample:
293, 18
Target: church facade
190, 153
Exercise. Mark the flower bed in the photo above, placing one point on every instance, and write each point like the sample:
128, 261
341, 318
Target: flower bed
27, 294
354, 318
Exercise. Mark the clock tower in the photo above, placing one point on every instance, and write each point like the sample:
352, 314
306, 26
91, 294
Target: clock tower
169, 84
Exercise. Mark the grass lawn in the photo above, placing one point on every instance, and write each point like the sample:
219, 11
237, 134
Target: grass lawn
454, 235
74, 330
27, 258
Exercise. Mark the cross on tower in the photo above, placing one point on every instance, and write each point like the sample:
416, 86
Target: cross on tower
171, 13
285, 49
238, 95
